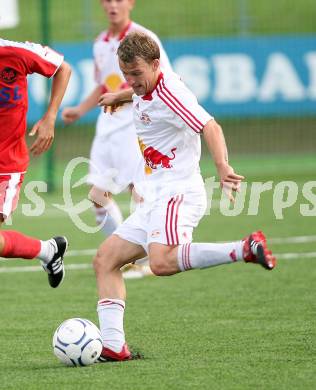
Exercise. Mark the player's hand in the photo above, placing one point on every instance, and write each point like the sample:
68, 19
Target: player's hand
111, 102
230, 181
108, 99
70, 114
44, 129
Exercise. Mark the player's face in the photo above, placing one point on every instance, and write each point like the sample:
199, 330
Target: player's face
117, 11
140, 75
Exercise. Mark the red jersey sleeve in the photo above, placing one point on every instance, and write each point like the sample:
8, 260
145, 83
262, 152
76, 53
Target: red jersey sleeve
39, 59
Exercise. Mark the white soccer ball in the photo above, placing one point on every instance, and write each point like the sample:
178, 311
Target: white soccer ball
77, 342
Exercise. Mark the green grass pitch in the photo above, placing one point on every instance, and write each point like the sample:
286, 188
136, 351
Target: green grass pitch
76, 20
230, 327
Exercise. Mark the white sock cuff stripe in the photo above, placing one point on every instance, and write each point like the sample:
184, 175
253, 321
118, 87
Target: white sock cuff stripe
184, 257
110, 302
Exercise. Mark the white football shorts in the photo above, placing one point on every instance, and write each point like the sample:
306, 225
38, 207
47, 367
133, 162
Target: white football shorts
115, 156
169, 220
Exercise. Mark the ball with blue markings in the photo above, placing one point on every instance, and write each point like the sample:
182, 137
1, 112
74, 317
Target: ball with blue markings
77, 342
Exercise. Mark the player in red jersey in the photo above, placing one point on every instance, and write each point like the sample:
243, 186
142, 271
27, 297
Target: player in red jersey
18, 60
169, 122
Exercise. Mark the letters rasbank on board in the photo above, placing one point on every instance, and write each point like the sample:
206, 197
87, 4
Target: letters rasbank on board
263, 76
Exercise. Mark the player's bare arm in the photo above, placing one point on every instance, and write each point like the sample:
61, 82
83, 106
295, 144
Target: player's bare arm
115, 99
216, 144
45, 127
71, 114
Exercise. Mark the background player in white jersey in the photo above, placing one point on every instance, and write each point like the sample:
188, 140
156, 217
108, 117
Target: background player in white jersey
115, 152
169, 122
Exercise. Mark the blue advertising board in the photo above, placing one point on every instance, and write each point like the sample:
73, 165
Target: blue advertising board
232, 77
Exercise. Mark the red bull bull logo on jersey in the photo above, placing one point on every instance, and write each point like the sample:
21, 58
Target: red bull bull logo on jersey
154, 158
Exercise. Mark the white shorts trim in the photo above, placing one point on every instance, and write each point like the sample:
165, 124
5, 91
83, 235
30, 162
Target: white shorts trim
11, 193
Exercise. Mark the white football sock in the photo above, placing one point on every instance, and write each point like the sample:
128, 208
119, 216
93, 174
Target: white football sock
111, 315
48, 250
200, 255
109, 216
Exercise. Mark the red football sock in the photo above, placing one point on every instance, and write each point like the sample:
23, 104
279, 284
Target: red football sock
19, 246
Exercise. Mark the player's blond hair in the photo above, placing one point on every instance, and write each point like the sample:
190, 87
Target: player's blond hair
138, 44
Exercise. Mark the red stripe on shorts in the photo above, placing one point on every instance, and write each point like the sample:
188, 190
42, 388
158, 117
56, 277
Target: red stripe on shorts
171, 225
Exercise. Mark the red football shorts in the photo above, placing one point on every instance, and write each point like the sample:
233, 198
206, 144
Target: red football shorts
10, 185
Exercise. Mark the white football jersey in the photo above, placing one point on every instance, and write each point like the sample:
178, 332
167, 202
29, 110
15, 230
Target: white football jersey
168, 124
109, 75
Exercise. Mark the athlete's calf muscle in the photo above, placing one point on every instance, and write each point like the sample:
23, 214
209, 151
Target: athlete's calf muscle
163, 259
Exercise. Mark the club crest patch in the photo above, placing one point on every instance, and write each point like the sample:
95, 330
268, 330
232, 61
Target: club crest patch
144, 117
8, 75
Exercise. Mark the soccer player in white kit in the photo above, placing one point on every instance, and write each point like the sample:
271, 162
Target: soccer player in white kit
115, 153
169, 122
